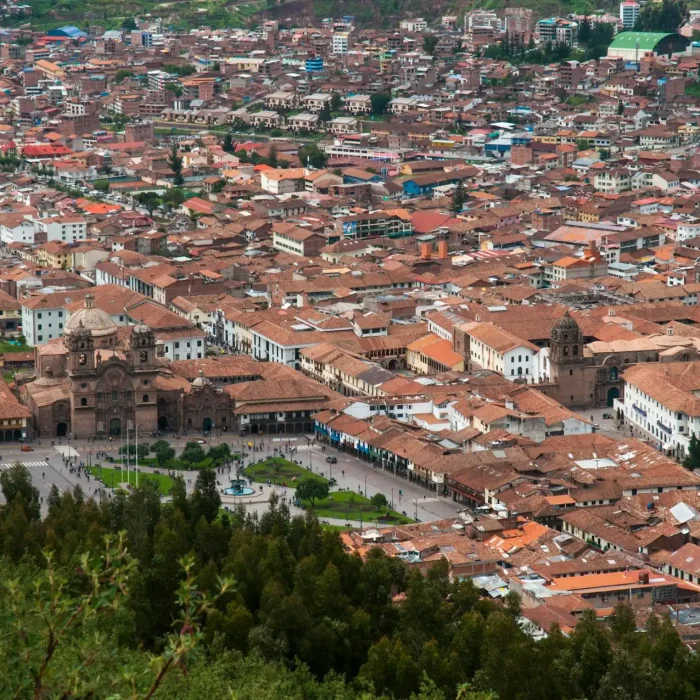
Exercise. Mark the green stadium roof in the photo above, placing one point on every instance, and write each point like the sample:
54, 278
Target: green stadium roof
647, 40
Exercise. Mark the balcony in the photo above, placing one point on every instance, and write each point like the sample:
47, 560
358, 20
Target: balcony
641, 411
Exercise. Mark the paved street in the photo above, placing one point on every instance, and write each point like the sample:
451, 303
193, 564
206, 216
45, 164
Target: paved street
45, 463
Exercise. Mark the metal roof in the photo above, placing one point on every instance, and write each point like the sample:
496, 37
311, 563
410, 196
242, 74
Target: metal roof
647, 40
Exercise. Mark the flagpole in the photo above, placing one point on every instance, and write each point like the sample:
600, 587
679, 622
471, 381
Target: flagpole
137, 455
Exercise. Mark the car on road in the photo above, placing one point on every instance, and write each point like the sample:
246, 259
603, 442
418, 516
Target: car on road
331, 459
27, 448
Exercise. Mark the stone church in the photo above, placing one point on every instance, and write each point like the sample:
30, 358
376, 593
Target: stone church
590, 374
100, 379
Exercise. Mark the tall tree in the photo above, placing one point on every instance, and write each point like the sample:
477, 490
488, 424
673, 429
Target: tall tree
175, 164
17, 488
310, 489
692, 459
459, 197
429, 43
206, 499
380, 101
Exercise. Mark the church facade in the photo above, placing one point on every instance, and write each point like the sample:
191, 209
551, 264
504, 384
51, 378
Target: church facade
100, 380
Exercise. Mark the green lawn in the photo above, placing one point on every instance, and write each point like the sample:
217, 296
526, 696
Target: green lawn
349, 505
278, 471
111, 478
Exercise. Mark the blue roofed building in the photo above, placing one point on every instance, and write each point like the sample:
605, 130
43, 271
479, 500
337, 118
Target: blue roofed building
67, 32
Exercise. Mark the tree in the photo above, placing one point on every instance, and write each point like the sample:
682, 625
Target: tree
584, 31
311, 155
228, 143
692, 459
149, 200
429, 43
164, 453
620, 107
272, 156
218, 186
183, 70
380, 101
101, 185
309, 489
173, 197
336, 102
459, 197
666, 16
193, 453
176, 88
60, 619
206, 499
325, 114
220, 453
17, 488
379, 500
129, 24
121, 74
175, 164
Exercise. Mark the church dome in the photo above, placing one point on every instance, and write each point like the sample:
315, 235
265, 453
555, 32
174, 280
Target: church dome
201, 380
565, 325
96, 321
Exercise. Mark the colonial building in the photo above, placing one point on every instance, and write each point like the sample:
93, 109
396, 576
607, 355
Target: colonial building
101, 379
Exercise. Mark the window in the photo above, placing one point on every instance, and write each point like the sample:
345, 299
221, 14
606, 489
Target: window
40, 327
40, 338
60, 314
38, 315
145, 398
83, 385
575, 350
83, 402
177, 345
115, 395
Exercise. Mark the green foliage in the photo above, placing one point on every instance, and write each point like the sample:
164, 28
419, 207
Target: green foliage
181, 70
173, 197
595, 37
228, 143
176, 88
311, 489
55, 623
311, 155
129, 24
122, 73
325, 114
143, 449
175, 164
692, 459
459, 198
113, 600
429, 43
101, 185
379, 500
163, 452
380, 101
336, 102
149, 200
220, 453
666, 16
193, 452
19, 492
